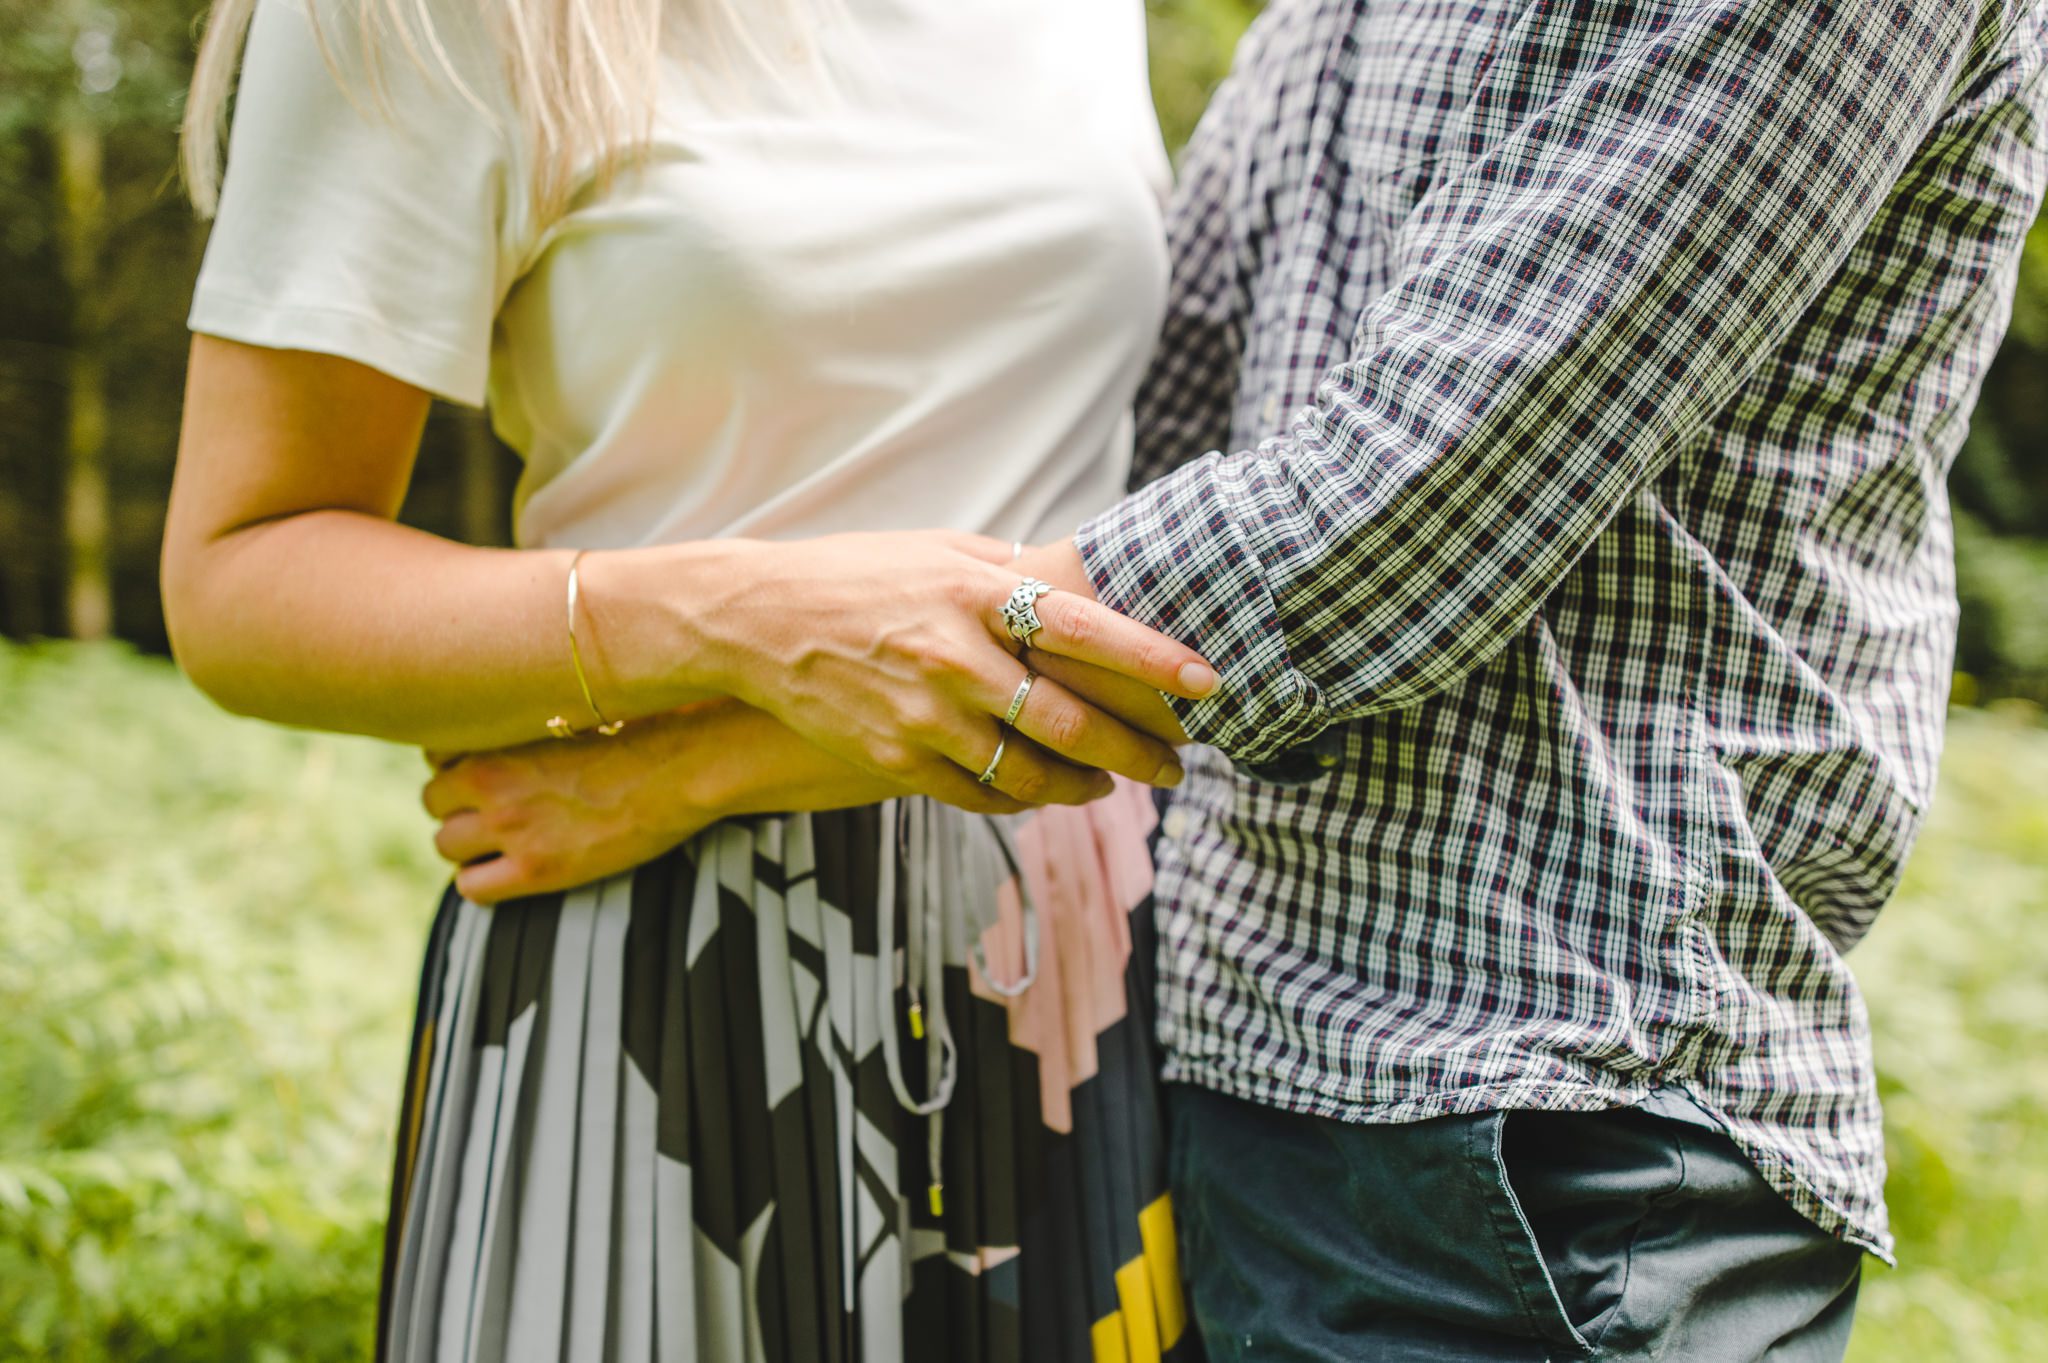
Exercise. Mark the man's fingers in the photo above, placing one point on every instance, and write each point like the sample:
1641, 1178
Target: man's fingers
1090, 632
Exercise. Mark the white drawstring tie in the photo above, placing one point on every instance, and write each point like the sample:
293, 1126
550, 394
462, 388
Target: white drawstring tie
934, 856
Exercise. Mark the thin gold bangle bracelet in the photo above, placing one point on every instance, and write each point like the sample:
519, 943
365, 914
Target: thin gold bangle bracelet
604, 726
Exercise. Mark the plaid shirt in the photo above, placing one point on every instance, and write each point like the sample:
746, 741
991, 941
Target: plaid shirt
1594, 369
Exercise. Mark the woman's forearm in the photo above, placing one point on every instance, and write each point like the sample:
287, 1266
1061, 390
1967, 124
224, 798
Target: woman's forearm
342, 620
743, 761
546, 816
291, 594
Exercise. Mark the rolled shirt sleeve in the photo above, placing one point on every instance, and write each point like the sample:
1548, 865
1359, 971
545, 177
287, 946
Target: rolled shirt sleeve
1643, 219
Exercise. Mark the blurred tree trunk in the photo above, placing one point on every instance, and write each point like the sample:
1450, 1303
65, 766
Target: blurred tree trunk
483, 503
81, 211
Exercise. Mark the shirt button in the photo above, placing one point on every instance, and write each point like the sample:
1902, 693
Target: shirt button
1270, 413
1175, 824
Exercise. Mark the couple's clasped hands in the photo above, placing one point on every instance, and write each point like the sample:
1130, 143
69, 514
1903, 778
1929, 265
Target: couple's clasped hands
847, 669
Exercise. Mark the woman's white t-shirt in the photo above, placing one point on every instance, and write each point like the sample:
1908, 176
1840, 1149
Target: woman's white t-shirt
915, 291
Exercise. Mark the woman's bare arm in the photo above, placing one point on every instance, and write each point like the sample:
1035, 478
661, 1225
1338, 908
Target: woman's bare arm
292, 595
548, 816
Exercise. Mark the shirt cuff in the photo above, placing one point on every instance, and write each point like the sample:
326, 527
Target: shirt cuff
1172, 556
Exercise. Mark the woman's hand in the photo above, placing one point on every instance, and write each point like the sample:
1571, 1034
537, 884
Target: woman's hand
889, 651
1133, 702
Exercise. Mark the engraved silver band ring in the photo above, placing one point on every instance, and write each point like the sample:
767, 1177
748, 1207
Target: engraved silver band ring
1017, 701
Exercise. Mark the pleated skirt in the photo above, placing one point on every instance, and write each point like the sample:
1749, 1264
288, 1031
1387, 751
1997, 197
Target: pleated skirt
675, 1115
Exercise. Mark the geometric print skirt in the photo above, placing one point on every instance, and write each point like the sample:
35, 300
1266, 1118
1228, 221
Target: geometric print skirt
868, 1086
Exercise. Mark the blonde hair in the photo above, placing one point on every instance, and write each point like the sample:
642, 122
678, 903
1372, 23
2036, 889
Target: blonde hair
582, 74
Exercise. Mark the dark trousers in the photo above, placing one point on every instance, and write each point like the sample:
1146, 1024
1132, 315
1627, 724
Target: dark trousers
1615, 1235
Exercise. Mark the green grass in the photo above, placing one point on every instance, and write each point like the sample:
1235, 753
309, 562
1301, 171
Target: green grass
1955, 971
212, 933
212, 929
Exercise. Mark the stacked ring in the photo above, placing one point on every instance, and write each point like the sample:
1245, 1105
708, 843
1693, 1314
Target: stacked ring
988, 774
1020, 612
1017, 701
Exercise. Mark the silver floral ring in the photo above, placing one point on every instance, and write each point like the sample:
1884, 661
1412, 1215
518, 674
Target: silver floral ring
1020, 612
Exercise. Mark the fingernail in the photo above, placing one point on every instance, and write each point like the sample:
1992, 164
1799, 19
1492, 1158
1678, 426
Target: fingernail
1198, 679
1168, 775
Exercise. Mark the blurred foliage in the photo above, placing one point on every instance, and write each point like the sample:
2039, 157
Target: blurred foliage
1191, 43
2003, 583
123, 61
213, 928
2000, 491
1955, 972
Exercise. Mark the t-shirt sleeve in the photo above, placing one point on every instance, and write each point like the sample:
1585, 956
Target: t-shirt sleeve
366, 210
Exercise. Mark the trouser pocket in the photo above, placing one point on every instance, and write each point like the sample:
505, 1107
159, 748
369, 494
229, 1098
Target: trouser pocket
1575, 1189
